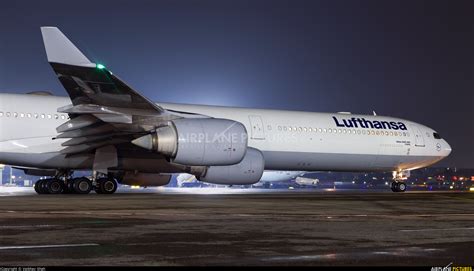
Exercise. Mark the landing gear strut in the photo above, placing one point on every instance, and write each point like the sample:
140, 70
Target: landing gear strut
399, 177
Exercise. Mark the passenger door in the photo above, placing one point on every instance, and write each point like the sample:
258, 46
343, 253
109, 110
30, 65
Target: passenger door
256, 127
419, 140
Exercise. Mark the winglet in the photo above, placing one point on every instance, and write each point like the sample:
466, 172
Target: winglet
59, 49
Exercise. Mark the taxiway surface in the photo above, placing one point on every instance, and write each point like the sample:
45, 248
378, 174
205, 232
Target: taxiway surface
233, 228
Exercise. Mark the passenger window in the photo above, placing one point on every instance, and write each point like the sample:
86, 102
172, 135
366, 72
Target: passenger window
28, 115
436, 135
15, 114
42, 116
1, 114
57, 117
49, 116
7, 114
64, 117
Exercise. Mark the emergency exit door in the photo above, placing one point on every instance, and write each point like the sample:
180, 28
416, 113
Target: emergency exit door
256, 127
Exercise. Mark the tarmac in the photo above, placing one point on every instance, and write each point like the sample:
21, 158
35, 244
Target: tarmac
237, 227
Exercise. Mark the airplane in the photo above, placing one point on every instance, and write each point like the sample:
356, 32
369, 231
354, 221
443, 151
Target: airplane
106, 126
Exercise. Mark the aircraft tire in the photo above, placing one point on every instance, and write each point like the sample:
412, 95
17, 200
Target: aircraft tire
55, 186
106, 186
37, 187
82, 185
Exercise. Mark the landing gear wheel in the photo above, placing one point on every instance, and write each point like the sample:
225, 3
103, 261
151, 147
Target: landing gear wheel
402, 187
43, 187
37, 186
69, 187
55, 186
82, 185
106, 186
398, 187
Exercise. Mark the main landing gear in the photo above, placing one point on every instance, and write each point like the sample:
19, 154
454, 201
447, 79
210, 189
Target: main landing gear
399, 177
81, 185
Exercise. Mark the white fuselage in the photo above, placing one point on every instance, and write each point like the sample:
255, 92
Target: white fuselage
289, 140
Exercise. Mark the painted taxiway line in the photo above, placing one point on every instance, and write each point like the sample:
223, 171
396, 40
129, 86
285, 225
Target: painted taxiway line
48, 246
27, 226
443, 229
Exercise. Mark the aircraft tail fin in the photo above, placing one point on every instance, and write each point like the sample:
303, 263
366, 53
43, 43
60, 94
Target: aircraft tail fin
59, 49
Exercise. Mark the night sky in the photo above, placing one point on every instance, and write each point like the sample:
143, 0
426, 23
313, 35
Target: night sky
408, 59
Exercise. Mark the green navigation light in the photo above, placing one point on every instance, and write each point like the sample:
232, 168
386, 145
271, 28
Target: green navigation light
100, 66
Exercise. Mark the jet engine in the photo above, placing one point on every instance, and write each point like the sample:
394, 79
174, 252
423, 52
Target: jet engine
248, 171
199, 142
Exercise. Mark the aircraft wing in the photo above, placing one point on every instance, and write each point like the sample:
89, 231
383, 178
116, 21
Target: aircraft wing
105, 111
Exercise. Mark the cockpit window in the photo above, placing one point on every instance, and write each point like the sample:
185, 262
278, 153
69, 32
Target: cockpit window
436, 135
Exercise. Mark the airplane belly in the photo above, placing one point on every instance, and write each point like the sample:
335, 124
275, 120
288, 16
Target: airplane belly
275, 160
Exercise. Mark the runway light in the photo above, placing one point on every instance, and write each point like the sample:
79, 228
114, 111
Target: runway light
100, 66
471, 189
451, 187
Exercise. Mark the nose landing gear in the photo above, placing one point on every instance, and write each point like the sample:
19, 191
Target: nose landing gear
398, 186
399, 177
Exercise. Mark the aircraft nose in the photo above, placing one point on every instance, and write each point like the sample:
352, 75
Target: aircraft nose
447, 148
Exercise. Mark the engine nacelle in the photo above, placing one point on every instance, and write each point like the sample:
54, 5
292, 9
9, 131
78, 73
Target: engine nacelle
145, 179
248, 171
199, 142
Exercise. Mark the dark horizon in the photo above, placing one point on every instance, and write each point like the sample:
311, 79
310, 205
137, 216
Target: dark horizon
412, 60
